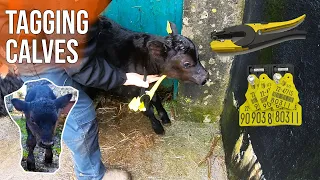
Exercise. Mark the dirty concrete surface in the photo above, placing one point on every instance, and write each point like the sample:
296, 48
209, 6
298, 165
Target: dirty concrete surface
10, 157
127, 141
205, 104
39, 153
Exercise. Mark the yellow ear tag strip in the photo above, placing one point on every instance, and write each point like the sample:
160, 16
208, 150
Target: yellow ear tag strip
285, 93
265, 84
136, 105
248, 117
276, 81
266, 116
155, 86
250, 94
169, 30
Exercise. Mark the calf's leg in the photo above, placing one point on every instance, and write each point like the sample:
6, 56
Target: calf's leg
156, 101
31, 143
155, 123
48, 156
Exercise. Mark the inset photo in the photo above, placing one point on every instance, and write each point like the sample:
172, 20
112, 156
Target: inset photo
40, 109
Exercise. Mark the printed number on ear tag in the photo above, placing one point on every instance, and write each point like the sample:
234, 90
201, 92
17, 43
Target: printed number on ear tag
285, 93
270, 117
277, 102
253, 86
248, 117
265, 84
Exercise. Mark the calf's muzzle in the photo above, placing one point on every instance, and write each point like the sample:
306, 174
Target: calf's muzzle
46, 144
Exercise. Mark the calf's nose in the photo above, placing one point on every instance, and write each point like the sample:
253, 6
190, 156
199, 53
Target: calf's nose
49, 143
204, 82
205, 79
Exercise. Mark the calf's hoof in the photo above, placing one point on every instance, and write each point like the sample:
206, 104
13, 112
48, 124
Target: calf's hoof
157, 127
31, 166
48, 156
165, 119
159, 130
166, 122
48, 160
117, 174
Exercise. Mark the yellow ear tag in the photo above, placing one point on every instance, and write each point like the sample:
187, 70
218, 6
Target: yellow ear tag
250, 94
282, 92
136, 104
169, 30
155, 86
265, 84
269, 117
276, 79
285, 93
248, 117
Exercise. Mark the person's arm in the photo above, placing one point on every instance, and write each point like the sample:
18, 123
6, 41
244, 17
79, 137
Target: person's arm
91, 71
4, 36
94, 71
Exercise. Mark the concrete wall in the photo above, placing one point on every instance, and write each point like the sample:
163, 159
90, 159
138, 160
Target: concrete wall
205, 104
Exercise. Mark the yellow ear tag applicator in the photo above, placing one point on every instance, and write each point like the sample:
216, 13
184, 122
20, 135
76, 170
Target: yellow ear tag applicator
137, 103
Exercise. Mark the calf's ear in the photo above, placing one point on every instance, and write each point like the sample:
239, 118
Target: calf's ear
19, 104
63, 101
172, 28
157, 49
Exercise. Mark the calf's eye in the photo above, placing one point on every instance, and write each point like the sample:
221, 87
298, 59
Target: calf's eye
186, 65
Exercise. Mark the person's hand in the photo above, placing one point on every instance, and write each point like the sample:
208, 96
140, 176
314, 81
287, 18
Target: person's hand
137, 80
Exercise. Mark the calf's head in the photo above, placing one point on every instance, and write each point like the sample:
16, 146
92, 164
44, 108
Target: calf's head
42, 115
178, 57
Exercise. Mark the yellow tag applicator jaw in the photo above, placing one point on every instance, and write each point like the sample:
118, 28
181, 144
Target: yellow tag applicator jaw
246, 38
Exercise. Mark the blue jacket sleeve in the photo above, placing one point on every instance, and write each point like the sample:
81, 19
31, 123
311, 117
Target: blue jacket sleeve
94, 71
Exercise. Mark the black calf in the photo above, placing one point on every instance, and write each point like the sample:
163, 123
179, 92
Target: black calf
175, 56
41, 111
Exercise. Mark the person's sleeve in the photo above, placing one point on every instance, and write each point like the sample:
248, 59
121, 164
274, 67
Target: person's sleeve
3, 23
93, 70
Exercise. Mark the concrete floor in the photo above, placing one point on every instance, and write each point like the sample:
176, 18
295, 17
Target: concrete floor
127, 141
10, 157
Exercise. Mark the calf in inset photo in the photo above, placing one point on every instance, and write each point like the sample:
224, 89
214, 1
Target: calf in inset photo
41, 109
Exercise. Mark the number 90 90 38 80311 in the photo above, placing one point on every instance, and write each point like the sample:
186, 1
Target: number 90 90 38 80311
270, 117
